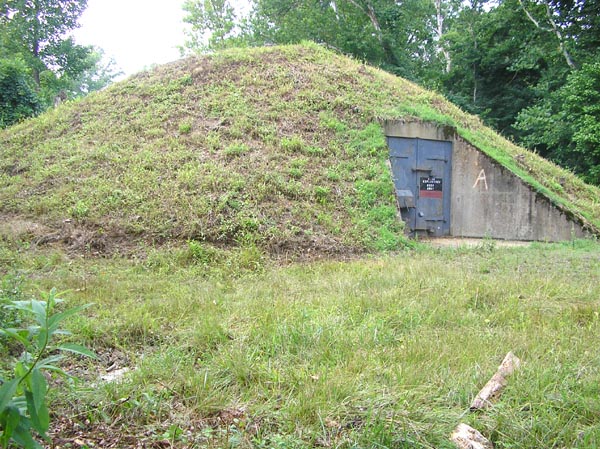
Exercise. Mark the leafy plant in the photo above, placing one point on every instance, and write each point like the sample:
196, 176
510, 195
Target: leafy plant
296, 173
80, 209
236, 149
292, 144
321, 194
23, 404
564, 126
199, 253
185, 128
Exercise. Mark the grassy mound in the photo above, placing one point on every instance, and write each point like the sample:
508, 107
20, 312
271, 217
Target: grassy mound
276, 148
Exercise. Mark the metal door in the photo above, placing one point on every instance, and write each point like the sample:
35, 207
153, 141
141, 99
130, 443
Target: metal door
421, 169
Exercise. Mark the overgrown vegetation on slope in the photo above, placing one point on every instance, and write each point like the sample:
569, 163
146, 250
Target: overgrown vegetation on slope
386, 352
276, 148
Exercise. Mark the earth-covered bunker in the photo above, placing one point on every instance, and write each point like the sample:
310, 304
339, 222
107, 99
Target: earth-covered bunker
269, 151
447, 187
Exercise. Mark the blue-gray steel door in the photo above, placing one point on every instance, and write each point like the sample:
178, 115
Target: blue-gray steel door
422, 169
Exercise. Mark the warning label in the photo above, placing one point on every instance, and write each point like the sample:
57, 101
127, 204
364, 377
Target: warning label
431, 188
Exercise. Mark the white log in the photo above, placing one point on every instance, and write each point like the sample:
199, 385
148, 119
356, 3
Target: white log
494, 387
465, 437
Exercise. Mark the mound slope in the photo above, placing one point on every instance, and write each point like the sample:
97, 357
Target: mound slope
278, 147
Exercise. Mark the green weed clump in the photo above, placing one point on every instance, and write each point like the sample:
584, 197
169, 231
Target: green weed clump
294, 144
236, 149
185, 128
10, 291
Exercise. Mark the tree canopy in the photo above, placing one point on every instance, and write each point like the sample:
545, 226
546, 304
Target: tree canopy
18, 99
42, 60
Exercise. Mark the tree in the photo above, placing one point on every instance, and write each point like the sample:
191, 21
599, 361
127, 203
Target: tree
446, 11
551, 21
393, 35
502, 63
566, 125
36, 29
98, 74
574, 25
33, 36
486, 47
213, 23
83, 74
18, 97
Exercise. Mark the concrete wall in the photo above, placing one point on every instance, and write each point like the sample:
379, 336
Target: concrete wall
487, 199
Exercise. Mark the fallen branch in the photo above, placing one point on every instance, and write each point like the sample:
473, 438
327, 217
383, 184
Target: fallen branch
465, 437
493, 388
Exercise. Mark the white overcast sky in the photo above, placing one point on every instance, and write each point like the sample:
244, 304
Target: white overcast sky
136, 33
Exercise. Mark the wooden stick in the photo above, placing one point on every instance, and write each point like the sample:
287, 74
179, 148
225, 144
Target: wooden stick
465, 437
494, 387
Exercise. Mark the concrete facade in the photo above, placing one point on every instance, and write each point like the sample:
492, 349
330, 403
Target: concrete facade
488, 200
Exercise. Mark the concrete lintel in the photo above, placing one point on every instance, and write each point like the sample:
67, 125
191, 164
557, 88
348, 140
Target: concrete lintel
418, 130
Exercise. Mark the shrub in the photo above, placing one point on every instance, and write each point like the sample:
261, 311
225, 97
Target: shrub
18, 98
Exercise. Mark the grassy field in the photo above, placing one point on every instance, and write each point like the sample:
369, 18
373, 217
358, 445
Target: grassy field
381, 352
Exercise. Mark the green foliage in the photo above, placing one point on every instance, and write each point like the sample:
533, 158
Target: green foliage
321, 194
10, 291
80, 210
236, 149
212, 24
23, 402
35, 35
40, 26
381, 228
296, 172
185, 128
333, 175
369, 142
200, 253
331, 122
18, 98
294, 144
95, 72
496, 63
386, 33
371, 192
565, 126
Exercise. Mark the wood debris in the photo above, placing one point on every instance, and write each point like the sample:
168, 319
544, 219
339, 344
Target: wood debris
465, 437
494, 387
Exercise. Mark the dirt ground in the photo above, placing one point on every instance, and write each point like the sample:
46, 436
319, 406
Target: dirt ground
455, 242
